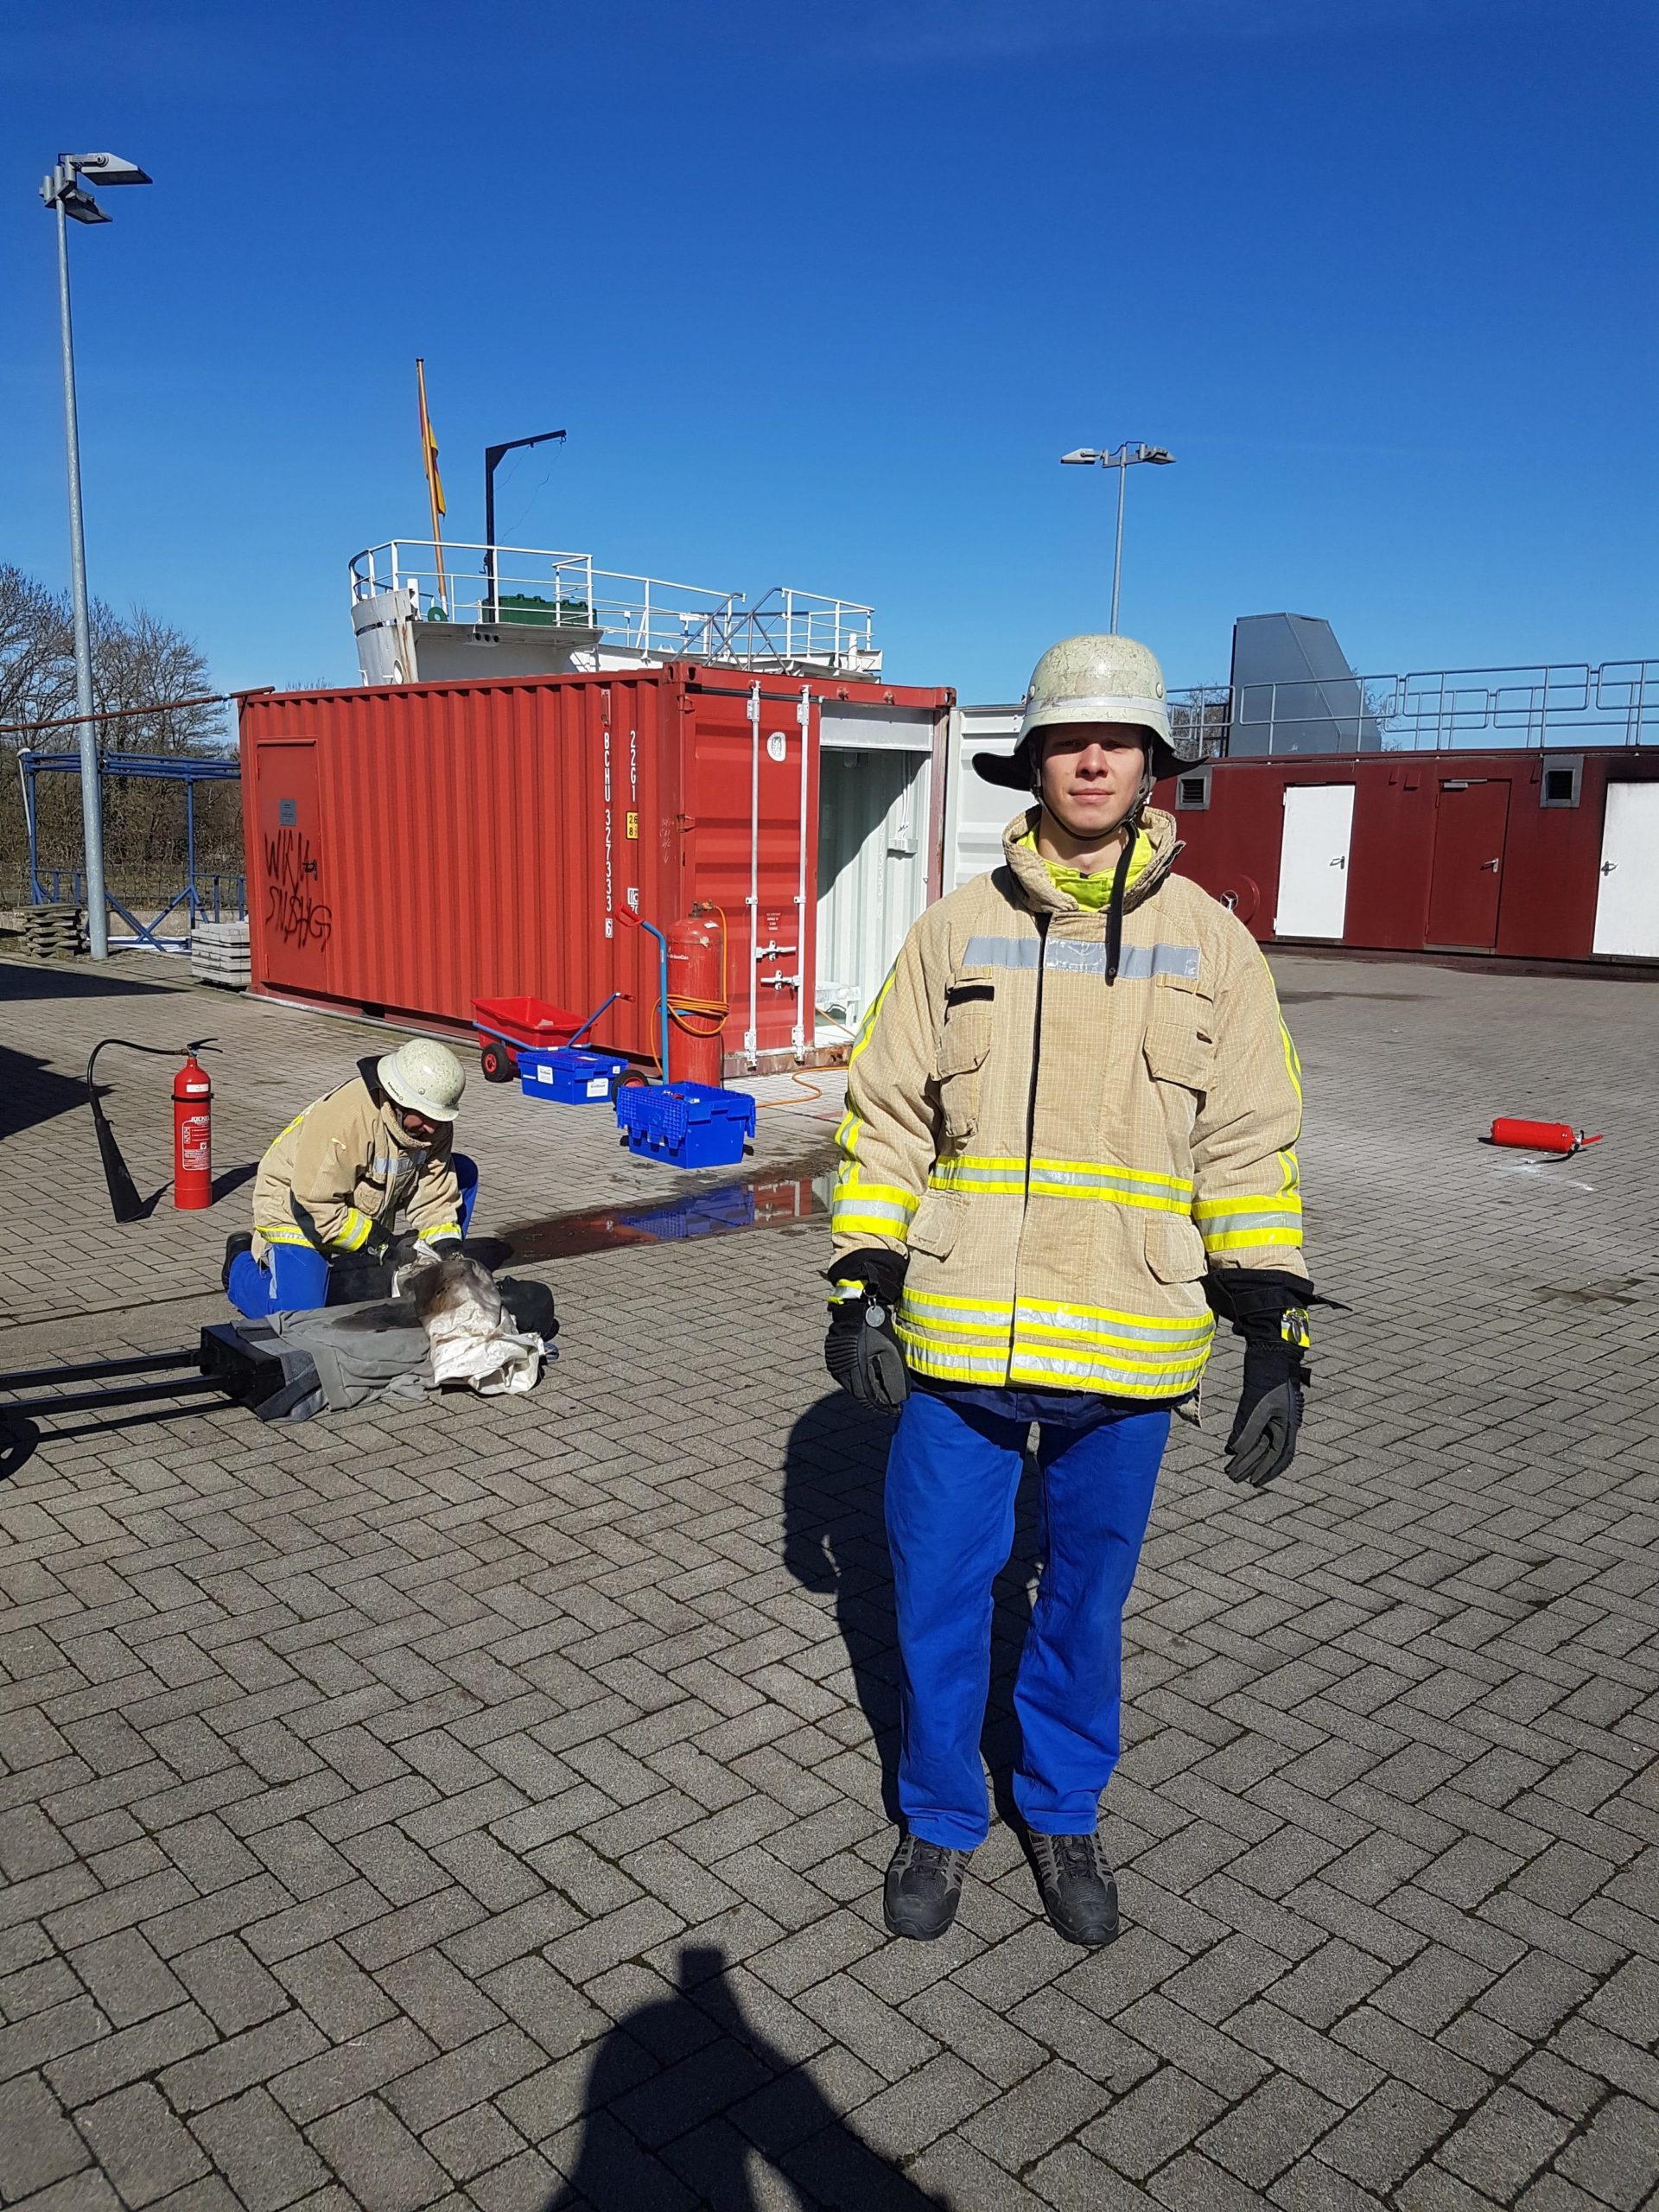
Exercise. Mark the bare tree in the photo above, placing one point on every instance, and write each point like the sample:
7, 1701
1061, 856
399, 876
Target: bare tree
139, 662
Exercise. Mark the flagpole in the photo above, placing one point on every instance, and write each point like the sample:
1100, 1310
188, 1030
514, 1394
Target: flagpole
433, 497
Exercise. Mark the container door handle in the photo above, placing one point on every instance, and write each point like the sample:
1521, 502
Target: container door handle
1341, 860
1493, 865
1607, 866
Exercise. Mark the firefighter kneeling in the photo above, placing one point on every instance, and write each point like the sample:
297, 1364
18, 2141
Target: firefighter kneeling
1070, 1116
370, 1157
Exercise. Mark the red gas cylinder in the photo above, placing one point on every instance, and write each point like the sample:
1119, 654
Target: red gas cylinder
696, 995
1541, 1136
192, 1136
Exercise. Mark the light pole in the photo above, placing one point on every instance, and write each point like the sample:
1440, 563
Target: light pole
1122, 461
62, 191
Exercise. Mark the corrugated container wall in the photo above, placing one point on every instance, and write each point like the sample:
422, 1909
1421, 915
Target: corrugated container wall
413, 848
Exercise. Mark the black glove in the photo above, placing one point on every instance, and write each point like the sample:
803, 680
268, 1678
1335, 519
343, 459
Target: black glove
442, 1247
1269, 1311
860, 1351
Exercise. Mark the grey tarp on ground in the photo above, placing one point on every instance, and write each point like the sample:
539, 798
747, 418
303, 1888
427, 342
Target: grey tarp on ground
337, 1359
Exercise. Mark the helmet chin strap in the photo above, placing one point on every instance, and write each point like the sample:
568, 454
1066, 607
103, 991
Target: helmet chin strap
1130, 824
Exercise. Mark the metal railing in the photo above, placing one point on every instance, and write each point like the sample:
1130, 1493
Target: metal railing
1491, 709
652, 616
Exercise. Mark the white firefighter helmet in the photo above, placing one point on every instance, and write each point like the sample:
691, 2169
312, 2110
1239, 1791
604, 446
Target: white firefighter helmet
1096, 677
424, 1075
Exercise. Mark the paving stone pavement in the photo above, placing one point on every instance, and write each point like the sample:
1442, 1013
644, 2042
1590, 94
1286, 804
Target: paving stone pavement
483, 1806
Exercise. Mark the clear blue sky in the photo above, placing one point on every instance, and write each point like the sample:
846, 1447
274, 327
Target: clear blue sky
821, 294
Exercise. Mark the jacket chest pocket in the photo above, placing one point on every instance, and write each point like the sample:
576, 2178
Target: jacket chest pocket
964, 1042
1180, 1045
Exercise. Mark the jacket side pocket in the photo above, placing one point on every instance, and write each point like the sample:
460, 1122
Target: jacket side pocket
1174, 1249
964, 1042
935, 1224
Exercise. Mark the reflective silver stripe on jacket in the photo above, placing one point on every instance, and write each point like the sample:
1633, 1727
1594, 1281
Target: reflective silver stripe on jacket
1138, 962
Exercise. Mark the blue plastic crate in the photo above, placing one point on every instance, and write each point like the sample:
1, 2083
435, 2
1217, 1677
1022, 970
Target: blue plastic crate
569, 1077
686, 1124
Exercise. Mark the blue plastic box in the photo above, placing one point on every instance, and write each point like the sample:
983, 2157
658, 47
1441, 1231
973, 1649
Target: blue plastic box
686, 1124
569, 1077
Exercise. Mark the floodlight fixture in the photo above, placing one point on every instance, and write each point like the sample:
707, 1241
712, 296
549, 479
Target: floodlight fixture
1122, 461
108, 168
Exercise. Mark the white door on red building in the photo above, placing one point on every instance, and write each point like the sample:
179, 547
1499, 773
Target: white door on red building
1313, 861
1627, 903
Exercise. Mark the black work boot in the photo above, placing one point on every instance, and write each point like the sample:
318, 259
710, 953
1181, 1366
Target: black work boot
234, 1248
1079, 1894
922, 1888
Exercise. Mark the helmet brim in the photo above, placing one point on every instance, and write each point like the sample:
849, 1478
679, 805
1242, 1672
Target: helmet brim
1015, 772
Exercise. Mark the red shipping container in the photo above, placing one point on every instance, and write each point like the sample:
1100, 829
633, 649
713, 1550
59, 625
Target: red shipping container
412, 847
1501, 855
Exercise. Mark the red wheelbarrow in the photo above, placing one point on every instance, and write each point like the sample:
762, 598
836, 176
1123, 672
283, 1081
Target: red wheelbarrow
506, 1025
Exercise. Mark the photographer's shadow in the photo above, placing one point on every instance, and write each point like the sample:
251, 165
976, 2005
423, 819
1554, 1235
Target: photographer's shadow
687, 2095
835, 1543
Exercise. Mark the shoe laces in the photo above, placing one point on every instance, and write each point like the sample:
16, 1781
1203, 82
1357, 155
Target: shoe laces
927, 1858
1076, 1854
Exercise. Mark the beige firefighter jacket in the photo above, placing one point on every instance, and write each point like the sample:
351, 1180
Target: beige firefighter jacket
344, 1168
1063, 1162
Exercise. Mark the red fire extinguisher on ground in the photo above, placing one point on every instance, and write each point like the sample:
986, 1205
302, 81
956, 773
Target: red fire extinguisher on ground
193, 1136
697, 999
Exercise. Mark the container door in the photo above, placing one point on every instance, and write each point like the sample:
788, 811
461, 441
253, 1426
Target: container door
872, 876
1470, 822
1313, 861
296, 920
1627, 902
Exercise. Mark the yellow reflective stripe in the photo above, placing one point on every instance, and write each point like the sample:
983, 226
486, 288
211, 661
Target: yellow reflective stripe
1292, 1064
355, 1234
847, 1130
443, 1228
1290, 1171
285, 1232
1238, 1240
865, 1027
948, 1362
1034, 1373
848, 1224
974, 1176
1002, 1305
1262, 1202
1041, 1187
1154, 1325
1161, 1351
1111, 1167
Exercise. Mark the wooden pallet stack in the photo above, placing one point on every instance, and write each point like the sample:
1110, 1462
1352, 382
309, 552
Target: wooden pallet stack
57, 932
218, 954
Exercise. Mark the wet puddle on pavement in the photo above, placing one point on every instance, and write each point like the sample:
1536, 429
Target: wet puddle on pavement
770, 1199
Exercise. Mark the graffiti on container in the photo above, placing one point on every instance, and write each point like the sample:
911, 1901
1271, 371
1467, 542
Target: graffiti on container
292, 908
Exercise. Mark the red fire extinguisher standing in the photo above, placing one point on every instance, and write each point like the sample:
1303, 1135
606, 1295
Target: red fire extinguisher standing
698, 1002
193, 1136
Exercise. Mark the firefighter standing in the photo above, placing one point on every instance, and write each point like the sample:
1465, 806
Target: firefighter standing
1070, 1131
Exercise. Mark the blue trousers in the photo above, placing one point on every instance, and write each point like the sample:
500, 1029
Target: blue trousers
952, 1475
293, 1278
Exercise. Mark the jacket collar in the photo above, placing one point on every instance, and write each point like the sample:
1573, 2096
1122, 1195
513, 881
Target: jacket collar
1037, 888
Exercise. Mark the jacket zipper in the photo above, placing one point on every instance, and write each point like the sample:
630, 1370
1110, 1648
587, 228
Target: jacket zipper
1041, 921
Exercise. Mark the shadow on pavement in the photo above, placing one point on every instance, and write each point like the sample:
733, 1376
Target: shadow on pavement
687, 2095
835, 1543
67, 982
31, 1092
